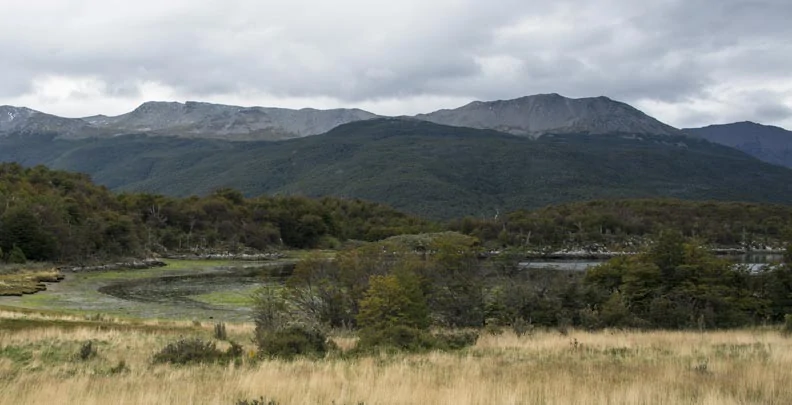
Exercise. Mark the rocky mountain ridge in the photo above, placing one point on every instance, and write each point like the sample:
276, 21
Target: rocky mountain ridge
529, 116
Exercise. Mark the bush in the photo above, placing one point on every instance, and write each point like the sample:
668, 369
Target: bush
87, 351
220, 331
787, 327
292, 341
408, 339
455, 340
187, 351
394, 300
17, 256
120, 367
521, 327
397, 337
260, 401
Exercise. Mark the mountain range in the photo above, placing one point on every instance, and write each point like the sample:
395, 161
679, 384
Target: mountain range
528, 116
479, 159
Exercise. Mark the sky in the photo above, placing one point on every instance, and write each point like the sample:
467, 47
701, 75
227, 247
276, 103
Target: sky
686, 62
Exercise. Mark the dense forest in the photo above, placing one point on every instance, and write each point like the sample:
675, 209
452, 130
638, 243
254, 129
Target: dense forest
625, 224
63, 217
57, 216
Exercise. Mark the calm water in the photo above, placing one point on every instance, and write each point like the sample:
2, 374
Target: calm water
754, 261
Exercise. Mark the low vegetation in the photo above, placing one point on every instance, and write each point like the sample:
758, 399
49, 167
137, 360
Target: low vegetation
745, 366
392, 290
25, 281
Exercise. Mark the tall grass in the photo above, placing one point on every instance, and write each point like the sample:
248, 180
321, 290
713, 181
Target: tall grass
608, 367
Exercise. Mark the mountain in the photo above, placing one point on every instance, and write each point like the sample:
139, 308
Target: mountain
21, 120
552, 113
528, 116
767, 143
217, 121
420, 167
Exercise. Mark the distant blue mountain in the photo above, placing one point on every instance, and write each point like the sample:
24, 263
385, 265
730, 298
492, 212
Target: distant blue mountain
767, 143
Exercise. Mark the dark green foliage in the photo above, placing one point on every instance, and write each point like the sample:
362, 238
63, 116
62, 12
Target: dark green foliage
194, 350
621, 224
61, 217
398, 337
405, 338
291, 342
87, 351
17, 256
220, 331
455, 340
675, 284
427, 169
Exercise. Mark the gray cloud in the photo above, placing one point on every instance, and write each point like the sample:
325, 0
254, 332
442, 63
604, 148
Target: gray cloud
687, 62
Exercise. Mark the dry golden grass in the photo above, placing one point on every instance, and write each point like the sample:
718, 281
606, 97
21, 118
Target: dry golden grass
609, 367
27, 281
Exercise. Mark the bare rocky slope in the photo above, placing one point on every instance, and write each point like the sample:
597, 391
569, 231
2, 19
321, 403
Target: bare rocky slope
531, 116
551, 113
217, 121
21, 120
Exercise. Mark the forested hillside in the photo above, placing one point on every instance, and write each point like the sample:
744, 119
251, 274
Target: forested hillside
422, 168
57, 216
620, 222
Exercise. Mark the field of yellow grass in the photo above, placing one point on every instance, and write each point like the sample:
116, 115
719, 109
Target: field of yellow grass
38, 366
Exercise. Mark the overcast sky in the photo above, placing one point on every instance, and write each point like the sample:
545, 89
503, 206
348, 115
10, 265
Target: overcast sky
686, 62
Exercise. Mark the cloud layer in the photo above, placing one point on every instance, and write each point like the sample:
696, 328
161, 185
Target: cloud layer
687, 63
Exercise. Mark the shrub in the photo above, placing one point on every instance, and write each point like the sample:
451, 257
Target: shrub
220, 331
87, 351
521, 327
455, 340
259, 401
408, 339
17, 256
493, 328
187, 351
292, 341
120, 367
270, 310
397, 337
394, 300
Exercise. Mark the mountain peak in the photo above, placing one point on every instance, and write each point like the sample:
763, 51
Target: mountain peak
540, 114
769, 143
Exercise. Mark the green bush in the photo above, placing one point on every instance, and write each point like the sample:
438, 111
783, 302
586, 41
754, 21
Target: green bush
292, 342
405, 338
455, 340
194, 350
17, 256
397, 337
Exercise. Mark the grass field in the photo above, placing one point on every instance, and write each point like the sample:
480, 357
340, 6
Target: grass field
38, 366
